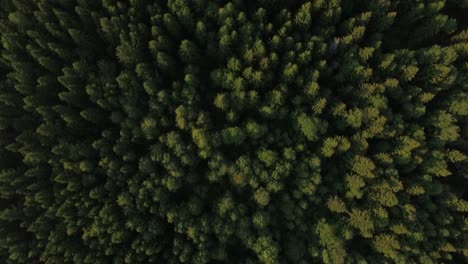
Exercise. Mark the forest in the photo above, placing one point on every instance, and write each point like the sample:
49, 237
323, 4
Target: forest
233, 131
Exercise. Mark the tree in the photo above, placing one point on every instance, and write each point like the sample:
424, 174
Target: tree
387, 245
363, 166
267, 156
334, 251
255, 130
266, 250
335, 204
362, 221
189, 51
262, 197
200, 138
233, 135
309, 126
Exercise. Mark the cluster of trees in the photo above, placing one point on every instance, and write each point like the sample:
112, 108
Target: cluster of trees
199, 131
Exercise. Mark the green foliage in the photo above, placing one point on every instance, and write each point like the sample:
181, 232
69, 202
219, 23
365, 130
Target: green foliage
309, 126
233, 135
262, 197
362, 221
334, 251
233, 132
266, 250
363, 166
269, 157
255, 130
200, 138
335, 204
387, 245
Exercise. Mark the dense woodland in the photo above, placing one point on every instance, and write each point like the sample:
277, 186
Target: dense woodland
209, 131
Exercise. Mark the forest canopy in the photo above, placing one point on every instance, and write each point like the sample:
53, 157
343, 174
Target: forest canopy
200, 131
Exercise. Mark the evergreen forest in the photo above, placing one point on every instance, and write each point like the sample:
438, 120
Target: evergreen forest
233, 131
